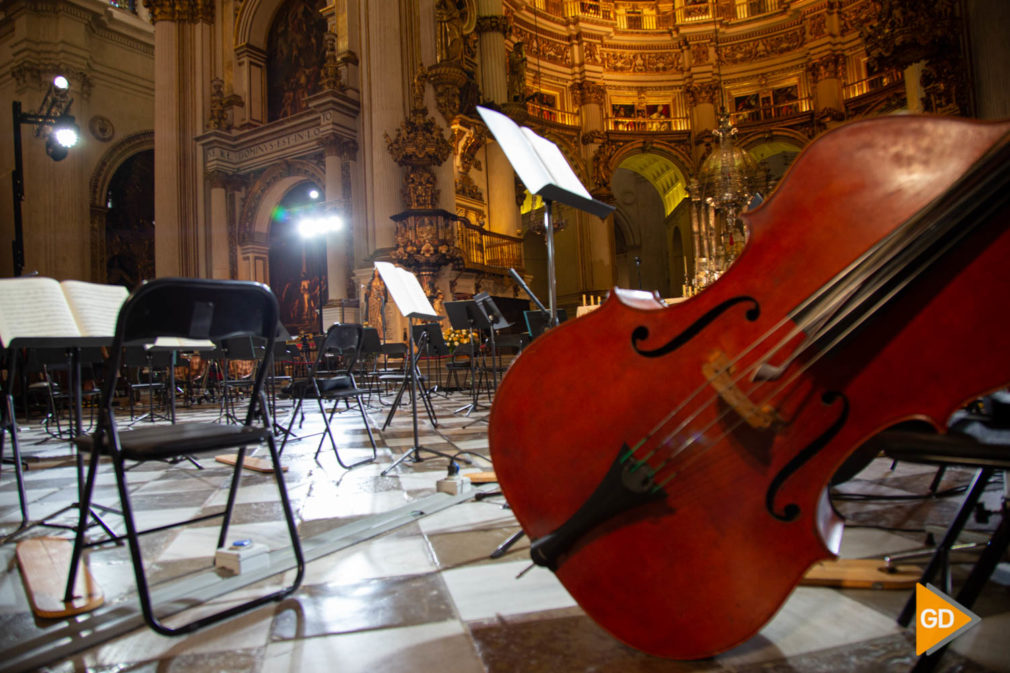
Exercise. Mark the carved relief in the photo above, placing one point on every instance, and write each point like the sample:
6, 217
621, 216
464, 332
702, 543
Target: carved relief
181, 11
699, 53
751, 50
637, 61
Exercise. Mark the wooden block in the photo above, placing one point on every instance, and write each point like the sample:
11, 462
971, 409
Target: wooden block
861, 574
481, 477
44, 564
254, 464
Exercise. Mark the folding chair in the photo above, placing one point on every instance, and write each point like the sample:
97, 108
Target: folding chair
188, 309
331, 377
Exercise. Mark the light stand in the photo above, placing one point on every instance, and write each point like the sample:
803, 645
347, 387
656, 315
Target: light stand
552, 289
61, 134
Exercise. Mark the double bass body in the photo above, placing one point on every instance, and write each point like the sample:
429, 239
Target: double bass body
737, 468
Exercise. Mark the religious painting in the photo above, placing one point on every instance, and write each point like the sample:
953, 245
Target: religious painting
785, 99
746, 106
295, 53
622, 110
658, 111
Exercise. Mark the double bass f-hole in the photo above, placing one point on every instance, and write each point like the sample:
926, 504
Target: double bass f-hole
641, 333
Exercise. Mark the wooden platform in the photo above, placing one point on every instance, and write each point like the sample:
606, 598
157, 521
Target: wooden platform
44, 563
481, 477
861, 574
254, 464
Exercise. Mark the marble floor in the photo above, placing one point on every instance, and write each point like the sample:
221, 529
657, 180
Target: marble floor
426, 596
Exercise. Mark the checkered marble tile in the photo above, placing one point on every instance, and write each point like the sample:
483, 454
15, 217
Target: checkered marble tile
426, 596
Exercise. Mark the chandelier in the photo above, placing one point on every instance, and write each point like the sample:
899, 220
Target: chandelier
727, 183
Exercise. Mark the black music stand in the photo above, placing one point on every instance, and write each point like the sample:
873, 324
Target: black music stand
413, 305
73, 347
466, 315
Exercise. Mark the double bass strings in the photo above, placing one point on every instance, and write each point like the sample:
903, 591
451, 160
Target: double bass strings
909, 250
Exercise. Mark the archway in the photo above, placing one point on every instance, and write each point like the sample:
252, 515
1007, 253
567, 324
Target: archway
129, 222
650, 228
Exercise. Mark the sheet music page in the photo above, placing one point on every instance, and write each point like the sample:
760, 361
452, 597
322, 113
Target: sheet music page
405, 290
95, 306
34, 307
518, 150
557, 165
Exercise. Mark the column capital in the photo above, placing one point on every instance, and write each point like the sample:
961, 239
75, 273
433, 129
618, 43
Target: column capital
492, 24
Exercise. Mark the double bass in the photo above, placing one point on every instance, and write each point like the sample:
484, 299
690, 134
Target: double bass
670, 463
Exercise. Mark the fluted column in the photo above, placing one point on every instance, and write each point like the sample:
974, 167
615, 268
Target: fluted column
183, 35
491, 29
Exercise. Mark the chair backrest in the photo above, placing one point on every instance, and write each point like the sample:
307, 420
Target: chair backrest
200, 309
342, 340
370, 342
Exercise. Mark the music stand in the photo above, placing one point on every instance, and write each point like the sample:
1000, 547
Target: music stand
537, 321
413, 304
466, 315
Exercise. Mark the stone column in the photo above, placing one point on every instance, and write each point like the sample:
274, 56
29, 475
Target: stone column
827, 81
217, 234
183, 36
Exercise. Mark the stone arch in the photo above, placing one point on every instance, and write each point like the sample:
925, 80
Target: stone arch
252, 25
98, 187
267, 191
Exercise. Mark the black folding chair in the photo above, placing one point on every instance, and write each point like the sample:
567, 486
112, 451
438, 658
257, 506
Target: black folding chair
331, 377
190, 309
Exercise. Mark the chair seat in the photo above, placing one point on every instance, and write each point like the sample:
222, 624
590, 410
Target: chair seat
303, 389
166, 441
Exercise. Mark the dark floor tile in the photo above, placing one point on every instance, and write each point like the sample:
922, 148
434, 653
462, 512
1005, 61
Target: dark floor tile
566, 643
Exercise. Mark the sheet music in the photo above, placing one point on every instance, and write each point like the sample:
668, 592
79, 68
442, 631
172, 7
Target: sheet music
406, 292
541, 166
94, 306
34, 307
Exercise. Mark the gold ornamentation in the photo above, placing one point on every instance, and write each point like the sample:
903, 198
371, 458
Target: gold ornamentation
449, 80
586, 93
706, 92
425, 242
419, 144
831, 66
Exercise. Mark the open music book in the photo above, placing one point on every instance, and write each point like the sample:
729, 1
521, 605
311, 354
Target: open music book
541, 165
406, 292
35, 306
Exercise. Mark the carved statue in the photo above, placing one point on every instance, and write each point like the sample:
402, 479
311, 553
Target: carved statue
517, 74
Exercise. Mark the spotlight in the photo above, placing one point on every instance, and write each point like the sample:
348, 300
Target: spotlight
313, 194
62, 137
317, 225
61, 83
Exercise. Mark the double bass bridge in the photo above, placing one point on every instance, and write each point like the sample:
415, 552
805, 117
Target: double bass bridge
720, 375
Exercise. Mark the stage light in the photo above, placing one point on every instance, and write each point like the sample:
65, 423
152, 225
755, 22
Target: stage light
61, 83
313, 194
66, 132
311, 226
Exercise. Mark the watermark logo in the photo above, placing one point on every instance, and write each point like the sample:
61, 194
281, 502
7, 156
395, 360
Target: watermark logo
938, 619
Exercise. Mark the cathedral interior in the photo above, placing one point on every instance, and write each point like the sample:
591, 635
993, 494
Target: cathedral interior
211, 129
